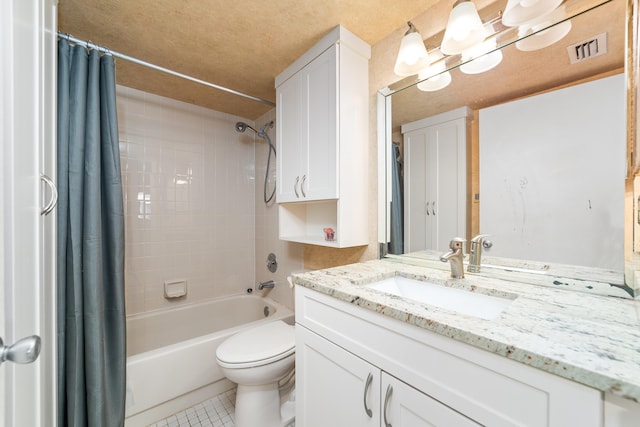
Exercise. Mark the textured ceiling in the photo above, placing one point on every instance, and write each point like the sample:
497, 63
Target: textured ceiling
245, 44
242, 44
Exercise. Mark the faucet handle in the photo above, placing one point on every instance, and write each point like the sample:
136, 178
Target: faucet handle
480, 238
456, 243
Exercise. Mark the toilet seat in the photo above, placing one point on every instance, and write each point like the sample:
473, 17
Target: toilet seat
258, 346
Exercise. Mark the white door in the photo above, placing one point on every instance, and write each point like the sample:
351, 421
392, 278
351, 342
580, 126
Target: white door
333, 387
27, 126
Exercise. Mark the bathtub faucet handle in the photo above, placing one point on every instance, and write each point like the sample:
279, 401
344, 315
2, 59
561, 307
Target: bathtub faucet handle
269, 284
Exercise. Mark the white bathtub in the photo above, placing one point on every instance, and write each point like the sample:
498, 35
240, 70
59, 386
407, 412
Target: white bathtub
171, 353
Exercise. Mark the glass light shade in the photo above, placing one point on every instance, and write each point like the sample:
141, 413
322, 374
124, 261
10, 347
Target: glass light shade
412, 56
519, 12
433, 77
436, 82
545, 37
464, 29
483, 61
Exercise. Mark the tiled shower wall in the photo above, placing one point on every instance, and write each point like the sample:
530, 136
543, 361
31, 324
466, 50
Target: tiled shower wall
189, 200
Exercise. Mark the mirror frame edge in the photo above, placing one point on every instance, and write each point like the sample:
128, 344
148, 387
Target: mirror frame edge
632, 182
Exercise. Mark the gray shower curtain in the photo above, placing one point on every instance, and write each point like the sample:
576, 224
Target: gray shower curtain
90, 243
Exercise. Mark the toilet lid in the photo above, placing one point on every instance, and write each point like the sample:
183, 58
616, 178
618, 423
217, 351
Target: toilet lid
273, 340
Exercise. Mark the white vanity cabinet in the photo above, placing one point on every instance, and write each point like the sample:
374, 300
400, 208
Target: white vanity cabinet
435, 180
322, 155
435, 380
356, 393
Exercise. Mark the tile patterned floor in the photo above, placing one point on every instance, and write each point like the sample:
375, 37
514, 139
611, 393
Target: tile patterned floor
216, 412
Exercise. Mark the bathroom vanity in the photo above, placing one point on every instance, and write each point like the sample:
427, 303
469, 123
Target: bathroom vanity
369, 352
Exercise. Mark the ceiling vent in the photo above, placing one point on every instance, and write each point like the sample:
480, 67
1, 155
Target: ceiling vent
588, 49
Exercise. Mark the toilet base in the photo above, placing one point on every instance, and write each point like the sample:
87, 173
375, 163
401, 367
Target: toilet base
259, 406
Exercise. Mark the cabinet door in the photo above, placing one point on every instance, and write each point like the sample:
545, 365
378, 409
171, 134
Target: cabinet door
291, 142
404, 406
333, 386
320, 79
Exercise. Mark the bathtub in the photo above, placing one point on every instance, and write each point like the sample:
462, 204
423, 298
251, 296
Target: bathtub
172, 353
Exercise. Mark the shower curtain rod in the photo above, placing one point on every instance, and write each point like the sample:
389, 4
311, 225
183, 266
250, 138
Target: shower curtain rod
89, 44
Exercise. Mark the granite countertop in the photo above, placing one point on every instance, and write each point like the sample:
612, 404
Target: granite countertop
591, 339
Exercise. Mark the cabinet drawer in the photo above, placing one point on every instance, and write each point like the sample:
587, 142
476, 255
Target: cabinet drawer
487, 388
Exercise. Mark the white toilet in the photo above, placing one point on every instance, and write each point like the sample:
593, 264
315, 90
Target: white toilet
257, 360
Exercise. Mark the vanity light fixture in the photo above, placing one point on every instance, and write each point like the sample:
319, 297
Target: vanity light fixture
412, 56
464, 28
531, 38
518, 12
434, 77
485, 57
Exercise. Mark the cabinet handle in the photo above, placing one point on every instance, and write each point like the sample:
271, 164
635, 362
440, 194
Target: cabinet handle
295, 187
433, 208
427, 208
366, 389
387, 396
304, 178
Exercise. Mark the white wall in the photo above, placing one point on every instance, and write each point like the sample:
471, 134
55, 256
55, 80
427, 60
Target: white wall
199, 220
552, 171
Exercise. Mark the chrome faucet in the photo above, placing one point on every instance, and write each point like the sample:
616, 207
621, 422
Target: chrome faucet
454, 256
475, 252
269, 284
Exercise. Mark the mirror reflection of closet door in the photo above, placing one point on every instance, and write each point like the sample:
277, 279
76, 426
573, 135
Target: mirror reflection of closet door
435, 181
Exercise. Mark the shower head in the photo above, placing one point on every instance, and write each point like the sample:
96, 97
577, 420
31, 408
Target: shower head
242, 126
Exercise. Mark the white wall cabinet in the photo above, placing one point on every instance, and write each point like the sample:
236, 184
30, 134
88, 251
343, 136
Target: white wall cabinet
306, 110
435, 180
434, 379
322, 163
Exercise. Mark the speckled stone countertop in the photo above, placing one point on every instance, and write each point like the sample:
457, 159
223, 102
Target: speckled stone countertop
591, 339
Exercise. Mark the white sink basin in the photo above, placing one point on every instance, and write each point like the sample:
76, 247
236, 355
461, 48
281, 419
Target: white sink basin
465, 302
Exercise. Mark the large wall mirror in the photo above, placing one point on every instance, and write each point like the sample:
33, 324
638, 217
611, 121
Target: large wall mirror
503, 98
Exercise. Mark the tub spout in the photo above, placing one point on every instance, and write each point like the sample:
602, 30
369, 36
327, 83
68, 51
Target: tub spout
269, 284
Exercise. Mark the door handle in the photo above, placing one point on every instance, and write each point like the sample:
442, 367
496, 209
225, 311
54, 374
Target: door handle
54, 195
23, 351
